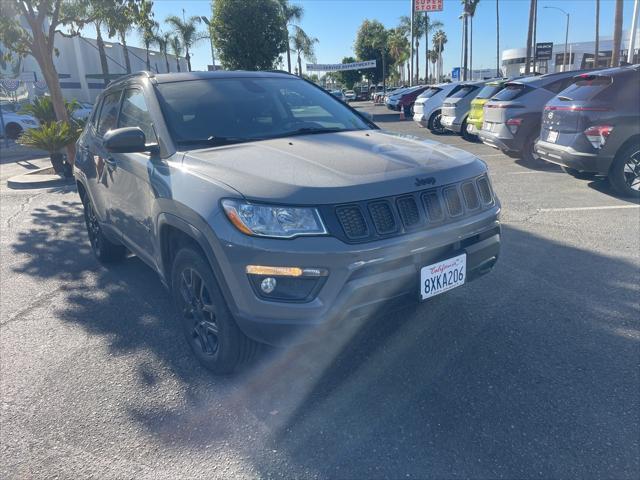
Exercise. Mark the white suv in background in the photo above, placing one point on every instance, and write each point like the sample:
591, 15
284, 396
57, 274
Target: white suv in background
427, 109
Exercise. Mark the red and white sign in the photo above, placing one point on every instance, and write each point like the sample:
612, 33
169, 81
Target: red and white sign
428, 5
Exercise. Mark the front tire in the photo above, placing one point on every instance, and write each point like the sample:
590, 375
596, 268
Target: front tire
13, 131
624, 175
104, 249
435, 124
209, 328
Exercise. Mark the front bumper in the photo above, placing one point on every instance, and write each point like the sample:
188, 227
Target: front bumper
568, 156
362, 278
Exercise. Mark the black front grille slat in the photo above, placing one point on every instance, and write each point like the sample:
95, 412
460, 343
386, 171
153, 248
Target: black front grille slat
452, 199
352, 221
409, 212
382, 217
485, 190
433, 207
368, 220
470, 195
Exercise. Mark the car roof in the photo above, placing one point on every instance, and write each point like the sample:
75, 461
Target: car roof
188, 76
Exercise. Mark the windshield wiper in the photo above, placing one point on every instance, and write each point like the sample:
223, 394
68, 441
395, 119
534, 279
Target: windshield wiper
215, 141
313, 131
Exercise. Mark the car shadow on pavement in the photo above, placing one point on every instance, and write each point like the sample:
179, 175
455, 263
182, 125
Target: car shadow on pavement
529, 371
601, 184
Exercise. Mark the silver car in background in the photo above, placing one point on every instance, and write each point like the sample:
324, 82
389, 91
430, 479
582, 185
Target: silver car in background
455, 109
427, 110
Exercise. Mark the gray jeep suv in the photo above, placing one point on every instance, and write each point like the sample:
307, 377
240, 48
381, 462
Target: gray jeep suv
269, 208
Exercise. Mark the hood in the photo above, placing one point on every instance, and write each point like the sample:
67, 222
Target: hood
333, 167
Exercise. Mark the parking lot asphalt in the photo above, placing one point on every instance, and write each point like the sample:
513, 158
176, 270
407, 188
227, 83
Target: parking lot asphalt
529, 372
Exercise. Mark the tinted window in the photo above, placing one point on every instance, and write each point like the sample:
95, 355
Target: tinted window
429, 92
559, 85
586, 88
488, 91
464, 91
134, 113
108, 113
510, 92
237, 109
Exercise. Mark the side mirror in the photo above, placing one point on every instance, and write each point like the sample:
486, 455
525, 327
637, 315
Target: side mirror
125, 140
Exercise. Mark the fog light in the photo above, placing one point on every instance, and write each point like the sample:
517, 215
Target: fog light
268, 285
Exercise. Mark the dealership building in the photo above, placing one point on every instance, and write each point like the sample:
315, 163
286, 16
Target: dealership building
579, 55
79, 69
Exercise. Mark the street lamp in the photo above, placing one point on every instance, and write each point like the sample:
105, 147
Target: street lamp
566, 38
463, 70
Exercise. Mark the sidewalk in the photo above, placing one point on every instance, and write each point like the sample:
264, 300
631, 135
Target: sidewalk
17, 160
15, 152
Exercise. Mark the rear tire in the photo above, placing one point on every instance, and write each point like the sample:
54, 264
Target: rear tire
13, 131
578, 174
104, 249
466, 135
529, 154
624, 174
209, 328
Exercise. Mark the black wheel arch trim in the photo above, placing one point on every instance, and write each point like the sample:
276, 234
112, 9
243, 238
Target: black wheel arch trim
169, 219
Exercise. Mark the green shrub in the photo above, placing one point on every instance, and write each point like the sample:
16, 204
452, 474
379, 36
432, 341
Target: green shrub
52, 137
42, 109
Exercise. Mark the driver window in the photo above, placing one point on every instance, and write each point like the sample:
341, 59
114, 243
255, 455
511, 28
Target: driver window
135, 113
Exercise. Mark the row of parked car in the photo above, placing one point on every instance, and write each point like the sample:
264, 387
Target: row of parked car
588, 122
16, 121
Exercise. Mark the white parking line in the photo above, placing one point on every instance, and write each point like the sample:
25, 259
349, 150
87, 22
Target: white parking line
528, 172
579, 209
493, 155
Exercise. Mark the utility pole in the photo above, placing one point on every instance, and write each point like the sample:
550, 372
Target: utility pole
497, 38
527, 63
566, 39
634, 27
535, 33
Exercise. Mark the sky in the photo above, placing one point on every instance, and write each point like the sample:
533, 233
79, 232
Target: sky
335, 23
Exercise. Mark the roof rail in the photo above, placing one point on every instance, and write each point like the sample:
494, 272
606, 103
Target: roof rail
145, 73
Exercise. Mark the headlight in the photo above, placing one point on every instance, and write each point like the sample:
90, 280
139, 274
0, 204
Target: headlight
273, 221
30, 122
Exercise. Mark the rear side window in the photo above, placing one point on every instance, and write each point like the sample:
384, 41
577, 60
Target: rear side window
108, 113
587, 87
135, 113
488, 91
511, 92
463, 92
559, 85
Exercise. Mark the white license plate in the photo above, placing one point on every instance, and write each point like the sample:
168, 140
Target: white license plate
552, 136
443, 276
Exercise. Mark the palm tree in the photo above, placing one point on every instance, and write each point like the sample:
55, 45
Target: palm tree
176, 49
290, 14
119, 22
418, 30
428, 28
439, 39
597, 49
302, 44
532, 13
186, 31
162, 41
148, 31
398, 48
433, 58
617, 34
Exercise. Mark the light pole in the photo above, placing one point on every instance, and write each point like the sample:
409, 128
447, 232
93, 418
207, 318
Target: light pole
566, 38
634, 27
413, 7
207, 22
463, 50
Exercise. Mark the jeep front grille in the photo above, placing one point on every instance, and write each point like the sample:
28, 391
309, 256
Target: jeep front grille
386, 217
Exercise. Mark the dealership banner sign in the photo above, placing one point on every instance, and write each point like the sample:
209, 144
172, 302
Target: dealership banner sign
340, 67
428, 5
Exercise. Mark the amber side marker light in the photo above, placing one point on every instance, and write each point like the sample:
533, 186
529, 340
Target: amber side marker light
285, 271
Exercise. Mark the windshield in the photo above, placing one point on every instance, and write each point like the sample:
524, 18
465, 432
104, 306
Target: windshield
233, 110
463, 92
510, 92
429, 92
488, 91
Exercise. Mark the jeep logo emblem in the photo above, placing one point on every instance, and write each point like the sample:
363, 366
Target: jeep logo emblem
425, 181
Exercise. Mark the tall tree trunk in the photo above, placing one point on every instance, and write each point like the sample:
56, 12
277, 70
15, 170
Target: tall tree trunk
597, 46
166, 60
125, 50
146, 45
288, 57
43, 52
188, 57
498, 38
426, 48
409, 71
466, 47
178, 63
103, 54
299, 65
417, 62
471, 47
527, 66
617, 35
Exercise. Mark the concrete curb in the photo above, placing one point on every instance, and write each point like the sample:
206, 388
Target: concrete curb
40, 178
